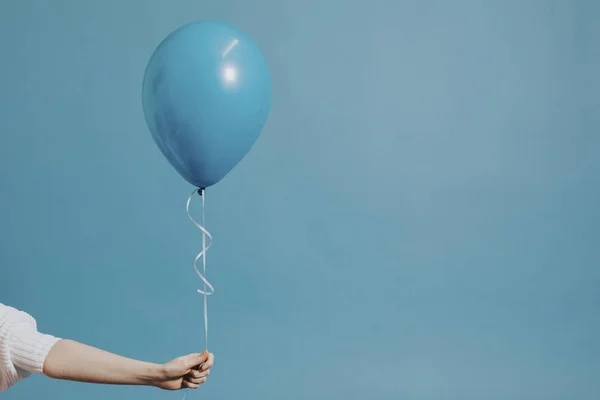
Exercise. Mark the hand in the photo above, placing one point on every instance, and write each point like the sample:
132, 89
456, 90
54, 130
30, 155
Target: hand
183, 372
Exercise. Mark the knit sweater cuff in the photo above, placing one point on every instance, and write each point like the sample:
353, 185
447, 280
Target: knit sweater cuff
30, 348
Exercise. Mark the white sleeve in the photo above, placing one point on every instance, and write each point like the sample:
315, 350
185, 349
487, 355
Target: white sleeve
23, 349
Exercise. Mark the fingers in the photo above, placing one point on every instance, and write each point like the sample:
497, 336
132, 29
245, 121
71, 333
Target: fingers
196, 374
197, 377
196, 381
190, 385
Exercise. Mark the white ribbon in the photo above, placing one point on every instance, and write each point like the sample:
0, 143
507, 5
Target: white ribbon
202, 255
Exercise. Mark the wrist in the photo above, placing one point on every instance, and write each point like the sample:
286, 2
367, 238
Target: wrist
151, 374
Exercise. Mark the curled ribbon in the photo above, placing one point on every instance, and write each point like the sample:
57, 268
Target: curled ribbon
202, 254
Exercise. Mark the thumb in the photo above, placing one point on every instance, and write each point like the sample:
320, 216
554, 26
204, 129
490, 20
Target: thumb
195, 359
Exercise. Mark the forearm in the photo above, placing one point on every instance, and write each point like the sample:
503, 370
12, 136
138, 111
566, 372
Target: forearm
75, 361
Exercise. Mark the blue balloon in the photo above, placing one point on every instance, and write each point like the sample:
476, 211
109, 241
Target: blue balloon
206, 97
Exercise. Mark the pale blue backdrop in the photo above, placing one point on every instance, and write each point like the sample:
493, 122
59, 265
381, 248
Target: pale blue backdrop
419, 220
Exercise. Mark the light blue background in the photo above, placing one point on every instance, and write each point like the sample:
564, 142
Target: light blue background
419, 220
